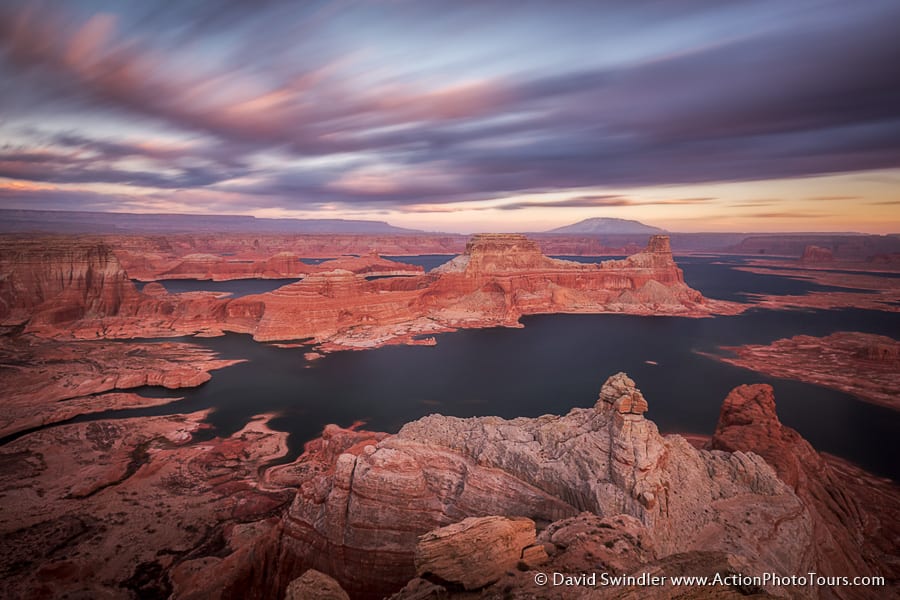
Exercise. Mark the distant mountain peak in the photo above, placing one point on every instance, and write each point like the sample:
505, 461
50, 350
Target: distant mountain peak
607, 225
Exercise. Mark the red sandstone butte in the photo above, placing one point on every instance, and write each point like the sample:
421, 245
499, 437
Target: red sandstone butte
82, 291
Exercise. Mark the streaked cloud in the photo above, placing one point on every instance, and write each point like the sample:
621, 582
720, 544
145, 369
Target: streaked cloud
441, 108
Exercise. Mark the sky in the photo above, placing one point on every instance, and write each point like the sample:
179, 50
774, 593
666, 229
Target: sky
455, 115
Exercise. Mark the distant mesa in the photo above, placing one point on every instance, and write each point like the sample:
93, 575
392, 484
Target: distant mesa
64, 221
608, 226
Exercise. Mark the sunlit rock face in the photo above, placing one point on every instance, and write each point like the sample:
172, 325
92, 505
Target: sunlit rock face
501, 277
59, 290
50, 283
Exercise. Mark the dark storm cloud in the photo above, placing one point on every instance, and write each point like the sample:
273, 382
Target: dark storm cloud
753, 91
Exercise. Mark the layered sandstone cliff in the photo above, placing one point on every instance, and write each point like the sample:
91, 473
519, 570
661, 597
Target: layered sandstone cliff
364, 499
51, 282
501, 277
84, 292
816, 254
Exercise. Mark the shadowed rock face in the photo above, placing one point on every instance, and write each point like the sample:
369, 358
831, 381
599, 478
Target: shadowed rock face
843, 530
363, 502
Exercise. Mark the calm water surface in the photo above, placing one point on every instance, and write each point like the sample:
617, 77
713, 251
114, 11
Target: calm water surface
237, 288
555, 363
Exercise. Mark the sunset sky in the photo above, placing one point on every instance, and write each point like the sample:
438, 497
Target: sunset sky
458, 116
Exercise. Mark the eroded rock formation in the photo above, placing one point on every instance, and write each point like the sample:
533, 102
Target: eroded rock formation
46, 381
314, 585
475, 552
850, 535
112, 509
61, 281
863, 364
598, 489
84, 292
363, 502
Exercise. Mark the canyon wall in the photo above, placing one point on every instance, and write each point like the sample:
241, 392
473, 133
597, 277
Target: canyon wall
60, 289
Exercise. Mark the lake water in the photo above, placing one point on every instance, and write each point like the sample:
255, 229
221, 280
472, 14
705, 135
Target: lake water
555, 363
237, 287
427, 261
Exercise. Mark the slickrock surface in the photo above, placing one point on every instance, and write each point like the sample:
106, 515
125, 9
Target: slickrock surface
115, 509
314, 585
853, 535
862, 364
46, 381
474, 552
139, 507
363, 502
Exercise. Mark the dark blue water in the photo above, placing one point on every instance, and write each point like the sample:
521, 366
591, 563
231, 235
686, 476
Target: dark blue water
555, 363
886, 274
427, 261
315, 261
237, 287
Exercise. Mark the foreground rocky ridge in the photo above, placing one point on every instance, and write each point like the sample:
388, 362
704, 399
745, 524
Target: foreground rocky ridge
108, 509
446, 508
606, 491
849, 530
81, 290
